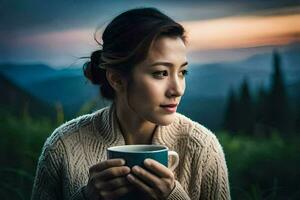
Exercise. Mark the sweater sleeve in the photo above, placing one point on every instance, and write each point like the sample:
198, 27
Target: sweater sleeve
48, 179
47, 183
178, 193
215, 184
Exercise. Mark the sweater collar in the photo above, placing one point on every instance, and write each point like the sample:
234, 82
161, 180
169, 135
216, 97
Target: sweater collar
108, 127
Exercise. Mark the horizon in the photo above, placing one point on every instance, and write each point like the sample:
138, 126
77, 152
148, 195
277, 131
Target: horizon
218, 31
243, 55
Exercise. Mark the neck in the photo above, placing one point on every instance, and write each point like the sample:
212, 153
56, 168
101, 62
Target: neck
134, 129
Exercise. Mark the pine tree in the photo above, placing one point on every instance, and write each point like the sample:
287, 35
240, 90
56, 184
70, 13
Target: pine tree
245, 110
278, 109
261, 116
297, 118
230, 117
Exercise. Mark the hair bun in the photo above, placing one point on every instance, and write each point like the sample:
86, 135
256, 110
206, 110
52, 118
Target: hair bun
92, 70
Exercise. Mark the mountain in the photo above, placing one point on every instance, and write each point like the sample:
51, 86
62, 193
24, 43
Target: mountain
23, 74
72, 91
66, 87
206, 91
215, 80
294, 89
17, 101
207, 111
207, 86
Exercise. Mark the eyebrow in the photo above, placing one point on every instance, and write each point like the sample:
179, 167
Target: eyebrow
168, 64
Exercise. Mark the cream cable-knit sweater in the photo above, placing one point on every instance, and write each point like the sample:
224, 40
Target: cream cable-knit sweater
72, 148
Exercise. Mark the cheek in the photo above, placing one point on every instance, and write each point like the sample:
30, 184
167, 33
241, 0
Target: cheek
148, 90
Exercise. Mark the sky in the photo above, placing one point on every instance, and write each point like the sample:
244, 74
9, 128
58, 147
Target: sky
58, 32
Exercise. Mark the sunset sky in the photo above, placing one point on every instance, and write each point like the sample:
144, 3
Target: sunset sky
59, 32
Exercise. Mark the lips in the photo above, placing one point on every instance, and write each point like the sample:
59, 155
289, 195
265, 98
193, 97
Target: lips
169, 105
170, 108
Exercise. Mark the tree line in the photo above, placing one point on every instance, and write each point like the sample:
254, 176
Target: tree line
266, 111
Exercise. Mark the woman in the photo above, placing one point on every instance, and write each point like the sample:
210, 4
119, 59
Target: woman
141, 68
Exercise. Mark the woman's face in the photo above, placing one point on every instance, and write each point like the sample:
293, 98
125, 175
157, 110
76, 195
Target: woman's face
159, 81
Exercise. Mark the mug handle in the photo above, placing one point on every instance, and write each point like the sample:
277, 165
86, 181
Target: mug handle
175, 154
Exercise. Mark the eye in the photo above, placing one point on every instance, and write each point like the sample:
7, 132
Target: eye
184, 72
160, 74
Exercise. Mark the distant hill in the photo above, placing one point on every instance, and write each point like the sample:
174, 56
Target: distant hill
67, 86
206, 91
294, 89
17, 101
215, 80
25, 75
71, 91
207, 111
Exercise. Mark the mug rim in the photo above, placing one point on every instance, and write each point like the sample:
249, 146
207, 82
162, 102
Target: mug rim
115, 148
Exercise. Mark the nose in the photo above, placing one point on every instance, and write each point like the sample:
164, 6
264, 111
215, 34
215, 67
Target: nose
176, 87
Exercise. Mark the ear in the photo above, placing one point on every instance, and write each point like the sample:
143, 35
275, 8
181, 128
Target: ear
115, 79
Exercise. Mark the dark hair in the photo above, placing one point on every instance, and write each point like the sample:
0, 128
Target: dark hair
126, 42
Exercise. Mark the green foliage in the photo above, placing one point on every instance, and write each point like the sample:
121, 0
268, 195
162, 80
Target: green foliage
231, 113
93, 105
262, 168
278, 102
269, 112
245, 121
239, 115
60, 116
20, 146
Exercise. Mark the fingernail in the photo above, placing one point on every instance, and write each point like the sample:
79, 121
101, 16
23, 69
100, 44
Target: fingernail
126, 170
130, 177
122, 162
135, 169
147, 161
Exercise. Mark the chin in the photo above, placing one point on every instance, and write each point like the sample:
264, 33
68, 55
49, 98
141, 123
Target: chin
165, 120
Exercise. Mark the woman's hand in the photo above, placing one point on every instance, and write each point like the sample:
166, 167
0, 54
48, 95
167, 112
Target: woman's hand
157, 181
107, 180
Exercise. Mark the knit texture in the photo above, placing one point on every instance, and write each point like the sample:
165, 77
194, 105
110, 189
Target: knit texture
74, 147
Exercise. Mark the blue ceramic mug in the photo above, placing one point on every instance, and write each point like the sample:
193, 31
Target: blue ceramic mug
136, 154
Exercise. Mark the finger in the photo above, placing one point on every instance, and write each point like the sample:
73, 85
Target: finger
140, 185
112, 172
107, 164
113, 184
117, 193
158, 168
146, 176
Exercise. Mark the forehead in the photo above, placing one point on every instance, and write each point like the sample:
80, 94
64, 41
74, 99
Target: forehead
170, 49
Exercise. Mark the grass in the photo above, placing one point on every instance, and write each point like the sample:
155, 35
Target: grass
262, 168
259, 167
20, 146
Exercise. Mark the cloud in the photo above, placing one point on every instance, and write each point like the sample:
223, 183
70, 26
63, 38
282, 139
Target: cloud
37, 16
243, 32
58, 32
